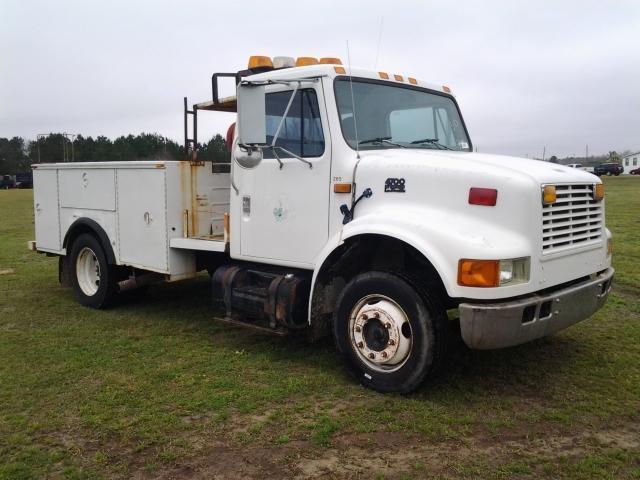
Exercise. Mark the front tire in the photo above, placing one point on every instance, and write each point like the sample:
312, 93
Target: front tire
390, 335
92, 277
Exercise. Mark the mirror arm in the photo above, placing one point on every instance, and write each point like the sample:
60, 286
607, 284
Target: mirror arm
284, 115
273, 149
295, 156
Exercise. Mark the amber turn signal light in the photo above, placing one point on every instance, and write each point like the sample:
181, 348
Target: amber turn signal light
341, 188
478, 273
598, 191
549, 194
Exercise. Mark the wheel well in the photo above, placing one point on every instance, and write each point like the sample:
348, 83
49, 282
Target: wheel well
86, 225
366, 253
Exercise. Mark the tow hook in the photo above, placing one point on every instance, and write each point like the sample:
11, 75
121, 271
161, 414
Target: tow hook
348, 213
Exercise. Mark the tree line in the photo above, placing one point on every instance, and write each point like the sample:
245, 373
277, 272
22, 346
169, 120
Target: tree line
17, 154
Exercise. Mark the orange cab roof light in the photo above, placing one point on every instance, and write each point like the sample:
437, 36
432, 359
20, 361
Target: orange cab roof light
259, 61
384, 75
446, 89
304, 61
330, 61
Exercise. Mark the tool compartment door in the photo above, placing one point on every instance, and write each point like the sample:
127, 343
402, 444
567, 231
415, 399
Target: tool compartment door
142, 221
46, 211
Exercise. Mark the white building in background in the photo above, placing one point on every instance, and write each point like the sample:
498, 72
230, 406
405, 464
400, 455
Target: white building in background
631, 162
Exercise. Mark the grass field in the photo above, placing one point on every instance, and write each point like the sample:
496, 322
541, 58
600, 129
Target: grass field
160, 390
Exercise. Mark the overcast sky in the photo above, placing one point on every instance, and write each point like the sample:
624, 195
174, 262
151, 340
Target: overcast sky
526, 74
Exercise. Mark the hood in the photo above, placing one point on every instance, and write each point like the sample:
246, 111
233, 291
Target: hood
502, 166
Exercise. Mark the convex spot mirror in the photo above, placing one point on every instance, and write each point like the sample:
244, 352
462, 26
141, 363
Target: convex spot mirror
247, 157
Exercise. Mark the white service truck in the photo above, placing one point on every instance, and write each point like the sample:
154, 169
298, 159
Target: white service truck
354, 204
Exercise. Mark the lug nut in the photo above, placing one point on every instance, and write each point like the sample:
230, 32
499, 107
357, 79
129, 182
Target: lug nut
392, 342
358, 329
387, 325
372, 355
376, 315
364, 316
360, 345
384, 354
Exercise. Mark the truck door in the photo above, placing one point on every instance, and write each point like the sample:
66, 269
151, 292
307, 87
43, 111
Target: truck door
283, 205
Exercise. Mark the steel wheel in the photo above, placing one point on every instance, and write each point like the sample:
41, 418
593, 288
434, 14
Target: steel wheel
88, 271
380, 333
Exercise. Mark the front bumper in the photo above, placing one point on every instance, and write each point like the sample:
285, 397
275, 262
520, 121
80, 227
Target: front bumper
498, 325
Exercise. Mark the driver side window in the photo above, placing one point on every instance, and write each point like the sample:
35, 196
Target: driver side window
301, 132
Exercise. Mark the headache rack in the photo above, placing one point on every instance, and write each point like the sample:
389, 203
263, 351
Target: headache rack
216, 104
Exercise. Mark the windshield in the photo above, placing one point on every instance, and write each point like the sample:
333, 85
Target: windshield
389, 116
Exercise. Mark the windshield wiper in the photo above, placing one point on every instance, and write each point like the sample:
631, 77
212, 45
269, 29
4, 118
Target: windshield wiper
432, 141
381, 140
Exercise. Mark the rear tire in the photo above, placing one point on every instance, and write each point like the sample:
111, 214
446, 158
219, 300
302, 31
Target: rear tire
92, 277
390, 335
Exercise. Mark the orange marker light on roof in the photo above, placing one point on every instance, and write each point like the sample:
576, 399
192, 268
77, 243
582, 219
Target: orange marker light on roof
384, 75
446, 89
340, 70
412, 81
304, 61
398, 78
330, 61
257, 61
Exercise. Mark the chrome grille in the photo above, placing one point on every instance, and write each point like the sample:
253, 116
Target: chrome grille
574, 220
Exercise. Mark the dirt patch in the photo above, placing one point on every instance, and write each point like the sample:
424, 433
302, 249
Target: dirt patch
397, 455
7, 271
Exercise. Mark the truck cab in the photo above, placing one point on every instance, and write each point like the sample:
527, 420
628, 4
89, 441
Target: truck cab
354, 206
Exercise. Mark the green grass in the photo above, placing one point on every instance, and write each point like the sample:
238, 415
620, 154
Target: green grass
159, 388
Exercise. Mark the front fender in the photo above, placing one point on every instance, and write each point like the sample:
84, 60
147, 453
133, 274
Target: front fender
444, 238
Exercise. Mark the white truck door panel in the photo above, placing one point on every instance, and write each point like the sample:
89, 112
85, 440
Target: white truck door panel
45, 202
90, 188
284, 211
142, 228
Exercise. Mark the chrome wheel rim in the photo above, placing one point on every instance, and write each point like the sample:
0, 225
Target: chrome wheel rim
88, 271
380, 333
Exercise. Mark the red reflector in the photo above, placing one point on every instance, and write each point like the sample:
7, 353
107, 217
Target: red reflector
483, 196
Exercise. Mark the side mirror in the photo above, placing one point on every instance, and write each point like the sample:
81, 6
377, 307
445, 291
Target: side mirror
251, 121
247, 157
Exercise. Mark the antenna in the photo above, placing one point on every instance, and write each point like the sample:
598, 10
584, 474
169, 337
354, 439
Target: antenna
379, 41
353, 103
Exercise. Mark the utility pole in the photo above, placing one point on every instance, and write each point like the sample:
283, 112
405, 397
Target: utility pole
586, 157
544, 152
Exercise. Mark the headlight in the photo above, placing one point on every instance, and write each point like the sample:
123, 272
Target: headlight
514, 271
492, 273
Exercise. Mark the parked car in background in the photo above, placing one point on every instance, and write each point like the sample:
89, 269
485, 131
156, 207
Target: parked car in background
635, 171
24, 180
608, 169
7, 182
576, 165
